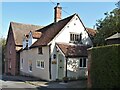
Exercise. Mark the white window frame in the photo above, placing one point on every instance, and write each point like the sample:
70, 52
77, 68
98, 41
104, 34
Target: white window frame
22, 62
40, 64
29, 66
83, 62
74, 36
43, 64
37, 63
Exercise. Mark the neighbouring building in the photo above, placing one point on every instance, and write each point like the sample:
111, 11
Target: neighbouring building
114, 39
52, 52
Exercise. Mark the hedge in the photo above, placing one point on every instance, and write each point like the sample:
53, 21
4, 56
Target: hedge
105, 66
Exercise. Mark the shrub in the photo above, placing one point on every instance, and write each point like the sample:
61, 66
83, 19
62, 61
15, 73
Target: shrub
105, 66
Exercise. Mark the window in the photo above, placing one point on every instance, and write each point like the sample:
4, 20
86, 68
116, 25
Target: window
30, 65
22, 64
83, 62
10, 64
10, 52
74, 37
40, 50
40, 64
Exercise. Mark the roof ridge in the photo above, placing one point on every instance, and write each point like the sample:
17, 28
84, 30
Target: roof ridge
23, 24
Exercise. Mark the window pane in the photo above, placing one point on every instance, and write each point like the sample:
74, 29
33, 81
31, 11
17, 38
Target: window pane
38, 63
77, 37
81, 62
40, 50
30, 65
73, 37
42, 64
84, 62
70, 37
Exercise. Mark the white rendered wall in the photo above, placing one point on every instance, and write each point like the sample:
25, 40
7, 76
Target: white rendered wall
74, 26
31, 40
32, 54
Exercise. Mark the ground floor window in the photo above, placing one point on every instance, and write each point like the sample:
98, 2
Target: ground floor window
83, 62
10, 64
40, 64
30, 65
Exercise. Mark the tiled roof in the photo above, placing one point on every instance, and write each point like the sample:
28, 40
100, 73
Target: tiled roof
115, 36
73, 50
91, 31
36, 35
20, 29
43, 34
50, 31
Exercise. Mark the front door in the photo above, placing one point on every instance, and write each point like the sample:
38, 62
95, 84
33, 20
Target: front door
60, 66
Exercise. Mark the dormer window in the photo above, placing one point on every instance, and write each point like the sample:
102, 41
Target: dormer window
75, 37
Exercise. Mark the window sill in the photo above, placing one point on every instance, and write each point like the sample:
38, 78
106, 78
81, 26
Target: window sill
82, 67
30, 71
38, 67
41, 68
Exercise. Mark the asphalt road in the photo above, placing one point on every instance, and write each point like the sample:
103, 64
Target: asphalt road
12, 84
19, 83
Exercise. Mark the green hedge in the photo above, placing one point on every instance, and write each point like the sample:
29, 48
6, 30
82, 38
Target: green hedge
105, 66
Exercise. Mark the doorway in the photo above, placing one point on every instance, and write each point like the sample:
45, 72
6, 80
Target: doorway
60, 66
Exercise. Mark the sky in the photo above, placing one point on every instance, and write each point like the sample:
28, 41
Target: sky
42, 13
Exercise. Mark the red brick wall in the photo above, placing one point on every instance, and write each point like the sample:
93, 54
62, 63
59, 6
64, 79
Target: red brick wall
10, 55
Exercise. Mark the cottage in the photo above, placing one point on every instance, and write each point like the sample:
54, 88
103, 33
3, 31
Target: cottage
51, 52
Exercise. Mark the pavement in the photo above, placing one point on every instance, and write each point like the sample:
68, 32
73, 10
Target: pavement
45, 84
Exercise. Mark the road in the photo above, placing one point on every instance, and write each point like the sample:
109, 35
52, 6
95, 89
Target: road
13, 84
27, 83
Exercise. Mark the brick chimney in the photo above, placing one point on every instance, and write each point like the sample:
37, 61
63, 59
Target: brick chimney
58, 13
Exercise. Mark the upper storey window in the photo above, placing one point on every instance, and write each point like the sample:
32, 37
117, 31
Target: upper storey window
75, 37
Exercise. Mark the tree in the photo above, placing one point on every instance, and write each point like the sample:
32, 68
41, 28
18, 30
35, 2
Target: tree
2, 53
107, 26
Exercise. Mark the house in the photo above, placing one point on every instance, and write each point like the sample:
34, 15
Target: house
52, 52
14, 44
114, 39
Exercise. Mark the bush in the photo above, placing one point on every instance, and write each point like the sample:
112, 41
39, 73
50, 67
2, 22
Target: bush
105, 67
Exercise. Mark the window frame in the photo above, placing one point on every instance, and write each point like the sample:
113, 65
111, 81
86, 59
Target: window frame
41, 64
29, 66
37, 63
22, 61
10, 64
83, 62
41, 61
75, 37
40, 52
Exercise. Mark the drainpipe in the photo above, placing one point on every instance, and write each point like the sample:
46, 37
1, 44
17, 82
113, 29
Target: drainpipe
50, 61
66, 67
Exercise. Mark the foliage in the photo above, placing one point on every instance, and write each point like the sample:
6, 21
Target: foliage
105, 66
107, 26
65, 79
2, 43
